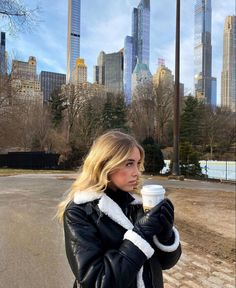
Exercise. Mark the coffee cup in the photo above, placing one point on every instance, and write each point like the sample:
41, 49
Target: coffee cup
152, 195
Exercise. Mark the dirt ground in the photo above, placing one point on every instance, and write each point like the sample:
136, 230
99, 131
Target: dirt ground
206, 220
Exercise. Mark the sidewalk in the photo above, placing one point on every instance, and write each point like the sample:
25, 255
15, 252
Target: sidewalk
194, 271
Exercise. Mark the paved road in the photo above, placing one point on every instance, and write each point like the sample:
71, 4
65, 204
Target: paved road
32, 246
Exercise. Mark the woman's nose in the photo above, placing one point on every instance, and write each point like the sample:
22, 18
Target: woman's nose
137, 171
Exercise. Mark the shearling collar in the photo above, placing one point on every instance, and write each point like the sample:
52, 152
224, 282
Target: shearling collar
82, 197
108, 206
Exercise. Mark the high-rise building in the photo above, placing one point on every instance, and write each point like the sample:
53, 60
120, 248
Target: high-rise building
203, 51
128, 54
99, 69
73, 36
49, 81
24, 80
141, 32
109, 71
79, 72
3, 54
228, 75
114, 72
140, 76
164, 77
140, 41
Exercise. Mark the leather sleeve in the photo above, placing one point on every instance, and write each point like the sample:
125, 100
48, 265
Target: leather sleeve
169, 259
168, 254
92, 264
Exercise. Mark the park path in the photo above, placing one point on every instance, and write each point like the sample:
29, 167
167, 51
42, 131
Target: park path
32, 245
199, 271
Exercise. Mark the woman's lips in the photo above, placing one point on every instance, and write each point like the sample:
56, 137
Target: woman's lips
133, 182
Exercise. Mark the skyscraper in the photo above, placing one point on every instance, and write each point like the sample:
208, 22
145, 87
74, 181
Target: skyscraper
128, 54
79, 72
109, 71
24, 80
141, 32
204, 83
73, 36
49, 81
137, 46
3, 54
228, 75
114, 72
99, 69
140, 76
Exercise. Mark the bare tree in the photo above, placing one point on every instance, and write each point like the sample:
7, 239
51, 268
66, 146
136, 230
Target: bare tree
5, 91
75, 97
218, 128
163, 99
151, 110
142, 112
16, 16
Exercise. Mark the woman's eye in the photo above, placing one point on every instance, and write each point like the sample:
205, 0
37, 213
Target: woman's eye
129, 164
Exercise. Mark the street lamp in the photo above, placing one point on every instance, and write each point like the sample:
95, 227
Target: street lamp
176, 170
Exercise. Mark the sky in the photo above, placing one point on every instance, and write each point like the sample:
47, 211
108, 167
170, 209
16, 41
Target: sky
104, 25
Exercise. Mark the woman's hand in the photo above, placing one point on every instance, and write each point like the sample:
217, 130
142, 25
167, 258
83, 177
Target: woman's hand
158, 221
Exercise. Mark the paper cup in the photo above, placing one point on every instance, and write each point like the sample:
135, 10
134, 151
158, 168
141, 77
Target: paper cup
152, 195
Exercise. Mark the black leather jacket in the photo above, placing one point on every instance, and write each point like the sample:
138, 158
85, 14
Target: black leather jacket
100, 252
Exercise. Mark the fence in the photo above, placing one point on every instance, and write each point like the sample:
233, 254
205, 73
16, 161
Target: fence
223, 170
29, 160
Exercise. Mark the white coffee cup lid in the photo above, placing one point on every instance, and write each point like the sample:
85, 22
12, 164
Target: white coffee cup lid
152, 189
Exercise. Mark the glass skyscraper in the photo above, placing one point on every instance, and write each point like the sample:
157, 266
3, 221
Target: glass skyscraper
143, 28
3, 57
203, 51
128, 54
49, 81
73, 36
114, 72
228, 75
99, 69
140, 40
109, 71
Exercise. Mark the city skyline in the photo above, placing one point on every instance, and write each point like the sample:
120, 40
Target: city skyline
102, 29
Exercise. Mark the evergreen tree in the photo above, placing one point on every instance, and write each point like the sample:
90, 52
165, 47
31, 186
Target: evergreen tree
189, 160
114, 112
57, 106
120, 112
191, 121
154, 160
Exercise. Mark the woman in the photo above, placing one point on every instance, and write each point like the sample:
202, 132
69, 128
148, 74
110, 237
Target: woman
110, 241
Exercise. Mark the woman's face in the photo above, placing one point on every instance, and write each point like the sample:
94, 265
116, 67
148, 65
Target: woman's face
126, 177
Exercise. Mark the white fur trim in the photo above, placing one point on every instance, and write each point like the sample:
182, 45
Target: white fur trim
137, 199
113, 210
138, 241
140, 283
168, 248
82, 197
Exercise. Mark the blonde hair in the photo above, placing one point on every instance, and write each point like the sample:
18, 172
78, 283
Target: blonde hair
107, 153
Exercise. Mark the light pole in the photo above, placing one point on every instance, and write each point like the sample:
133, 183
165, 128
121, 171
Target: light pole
176, 170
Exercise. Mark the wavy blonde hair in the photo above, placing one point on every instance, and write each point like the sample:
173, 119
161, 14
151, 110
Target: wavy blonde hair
108, 152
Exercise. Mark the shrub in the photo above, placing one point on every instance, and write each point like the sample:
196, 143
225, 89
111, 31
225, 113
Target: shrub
154, 160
